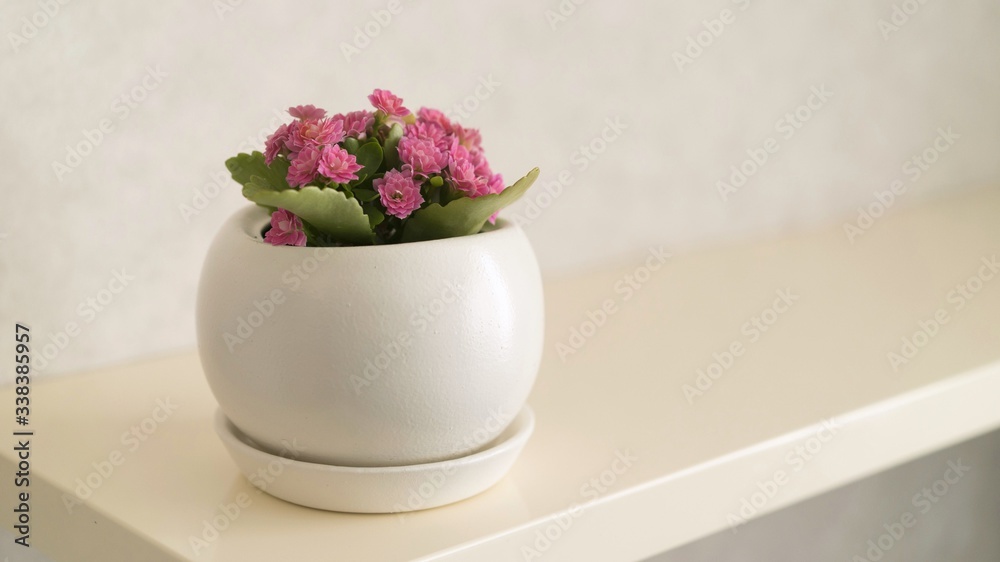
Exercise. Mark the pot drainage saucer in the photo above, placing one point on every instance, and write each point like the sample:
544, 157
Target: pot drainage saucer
383, 489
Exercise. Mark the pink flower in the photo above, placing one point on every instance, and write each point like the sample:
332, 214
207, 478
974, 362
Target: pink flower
469, 138
429, 115
336, 164
422, 155
286, 230
465, 180
463, 176
496, 183
388, 103
275, 143
479, 161
496, 186
356, 123
306, 112
399, 192
303, 167
434, 132
312, 132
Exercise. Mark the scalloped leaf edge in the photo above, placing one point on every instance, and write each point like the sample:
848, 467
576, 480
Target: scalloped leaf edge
328, 210
462, 216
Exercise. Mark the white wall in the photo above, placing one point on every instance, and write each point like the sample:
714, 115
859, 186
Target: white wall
226, 74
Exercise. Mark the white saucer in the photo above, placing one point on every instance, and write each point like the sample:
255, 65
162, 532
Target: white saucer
389, 489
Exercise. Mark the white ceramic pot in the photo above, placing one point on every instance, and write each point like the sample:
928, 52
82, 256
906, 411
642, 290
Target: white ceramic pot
370, 356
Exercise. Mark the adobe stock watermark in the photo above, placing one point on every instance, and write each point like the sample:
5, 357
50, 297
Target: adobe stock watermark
795, 459
913, 168
752, 330
591, 491
203, 196
433, 482
88, 310
899, 16
928, 328
565, 9
248, 323
468, 105
365, 33
121, 107
698, 43
786, 127
225, 7
580, 160
227, 513
923, 502
131, 440
31, 25
260, 310
420, 320
625, 289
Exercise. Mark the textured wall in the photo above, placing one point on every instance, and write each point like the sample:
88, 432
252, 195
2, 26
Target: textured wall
177, 87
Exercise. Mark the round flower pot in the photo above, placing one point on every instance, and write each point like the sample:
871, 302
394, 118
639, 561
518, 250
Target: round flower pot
371, 355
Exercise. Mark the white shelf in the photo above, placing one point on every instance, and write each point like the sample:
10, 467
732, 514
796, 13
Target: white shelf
824, 358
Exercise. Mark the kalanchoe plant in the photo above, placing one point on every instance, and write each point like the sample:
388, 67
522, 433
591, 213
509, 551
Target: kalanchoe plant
377, 177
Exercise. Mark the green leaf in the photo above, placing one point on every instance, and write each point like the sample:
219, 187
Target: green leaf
351, 145
462, 216
375, 217
369, 155
313, 236
391, 140
244, 166
329, 210
365, 195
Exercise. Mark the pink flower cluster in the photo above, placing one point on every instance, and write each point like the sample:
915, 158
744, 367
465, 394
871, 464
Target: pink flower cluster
311, 145
433, 144
434, 153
